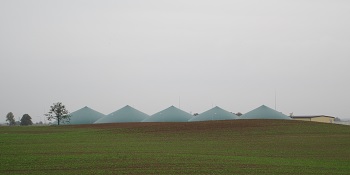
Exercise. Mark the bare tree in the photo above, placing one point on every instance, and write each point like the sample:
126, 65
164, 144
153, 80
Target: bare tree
59, 112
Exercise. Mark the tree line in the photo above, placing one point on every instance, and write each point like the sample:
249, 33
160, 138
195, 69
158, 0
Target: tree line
25, 120
57, 111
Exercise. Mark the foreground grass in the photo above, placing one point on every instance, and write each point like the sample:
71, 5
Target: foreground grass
225, 147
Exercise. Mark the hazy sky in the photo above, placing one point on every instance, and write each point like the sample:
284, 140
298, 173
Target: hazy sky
106, 54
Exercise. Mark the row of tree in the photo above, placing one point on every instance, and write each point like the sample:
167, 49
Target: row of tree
57, 111
25, 120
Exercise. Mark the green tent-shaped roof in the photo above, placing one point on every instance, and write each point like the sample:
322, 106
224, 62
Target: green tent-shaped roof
215, 113
264, 112
84, 115
171, 114
124, 115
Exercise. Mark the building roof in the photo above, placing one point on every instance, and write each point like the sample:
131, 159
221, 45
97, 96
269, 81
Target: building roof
264, 112
84, 115
124, 115
171, 114
215, 113
312, 116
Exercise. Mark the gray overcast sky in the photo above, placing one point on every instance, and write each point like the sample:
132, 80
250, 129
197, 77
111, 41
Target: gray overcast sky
106, 54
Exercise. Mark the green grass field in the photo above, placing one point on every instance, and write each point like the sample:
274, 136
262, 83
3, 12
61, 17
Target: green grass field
218, 147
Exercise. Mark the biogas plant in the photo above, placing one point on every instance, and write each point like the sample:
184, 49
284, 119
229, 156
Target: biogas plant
129, 114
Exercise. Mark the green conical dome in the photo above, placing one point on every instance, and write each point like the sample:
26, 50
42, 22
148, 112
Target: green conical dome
84, 115
171, 114
264, 112
215, 113
124, 115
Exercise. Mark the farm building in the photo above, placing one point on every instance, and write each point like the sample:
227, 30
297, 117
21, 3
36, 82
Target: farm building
171, 114
84, 115
315, 118
215, 113
264, 112
124, 115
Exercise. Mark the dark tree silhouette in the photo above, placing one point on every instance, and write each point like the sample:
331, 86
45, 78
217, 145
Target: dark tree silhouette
11, 119
238, 114
26, 120
59, 112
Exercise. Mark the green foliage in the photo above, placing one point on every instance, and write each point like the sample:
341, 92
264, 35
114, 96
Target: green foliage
220, 147
10, 118
26, 120
59, 112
